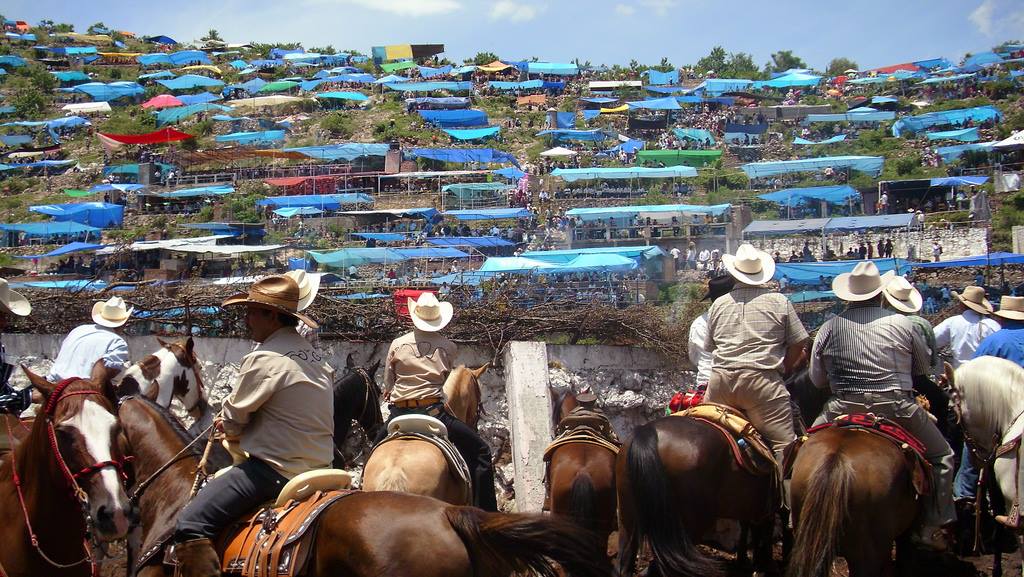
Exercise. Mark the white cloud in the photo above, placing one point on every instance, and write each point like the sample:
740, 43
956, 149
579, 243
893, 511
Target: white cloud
981, 17
402, 7
998, 19
660, 7
513, 11
625, 9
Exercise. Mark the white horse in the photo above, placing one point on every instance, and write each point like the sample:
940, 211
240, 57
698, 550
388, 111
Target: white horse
171, 372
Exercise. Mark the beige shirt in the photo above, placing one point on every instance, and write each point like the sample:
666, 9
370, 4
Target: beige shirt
282, 406
751, 327
417, 365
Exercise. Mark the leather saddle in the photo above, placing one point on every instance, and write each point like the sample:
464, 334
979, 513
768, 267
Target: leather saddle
747, 445
584, 425
430, 430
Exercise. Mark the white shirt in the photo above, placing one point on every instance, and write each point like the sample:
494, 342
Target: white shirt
700, 357
704, 256
675, 253
83, 347
963, 333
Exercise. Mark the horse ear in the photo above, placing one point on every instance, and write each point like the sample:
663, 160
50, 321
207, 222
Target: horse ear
374, 368
350, 361
44, 387
947, 372
162, 342
190, 346
480, 370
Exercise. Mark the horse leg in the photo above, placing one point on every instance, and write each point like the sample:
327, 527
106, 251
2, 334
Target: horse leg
764, 558
628, 546
742, 558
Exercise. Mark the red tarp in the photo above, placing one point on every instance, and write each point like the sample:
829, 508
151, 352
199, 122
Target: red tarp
162, 101
908, 67
402, 297
160, 136
297, 180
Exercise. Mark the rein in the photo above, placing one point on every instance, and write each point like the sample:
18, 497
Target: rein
183, 453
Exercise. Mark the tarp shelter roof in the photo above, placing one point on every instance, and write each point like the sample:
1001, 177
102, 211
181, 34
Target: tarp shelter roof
489, 213
386, 214
100, 214
958, 181
190, 81
963, 135
63, 250
553, 68
623, 173
357, 96
496, 66
790, 80
871, 165
1013, 142
297, 211
833, 140
797, 196
468, 187
773, 227
581, 135
278, 86
558, 151
429, 86
658, 211
106, 92
567, 255
162, 101
148, 245
217, 190
655, 104
225, 249
170, 115
991, 259
454, 118
156, 137
466, 134
463, 155
347, 151
383, 236
381, 255
322, 201
275, 100
836, 224
470, 241
86, 107
48, 229
248, 138
695, 134
679, 157
811, 272
510, 86
946, 117
851, 117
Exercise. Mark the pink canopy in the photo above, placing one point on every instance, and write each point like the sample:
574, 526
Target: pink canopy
162, 101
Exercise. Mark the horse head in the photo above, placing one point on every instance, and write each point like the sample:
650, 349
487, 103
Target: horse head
987, 398
171, 372
357, 396
79, 424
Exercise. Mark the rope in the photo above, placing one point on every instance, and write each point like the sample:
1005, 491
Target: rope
201, 467
141, 488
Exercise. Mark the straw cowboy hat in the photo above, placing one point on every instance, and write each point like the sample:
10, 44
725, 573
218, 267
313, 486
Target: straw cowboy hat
111, 313
309, 285
428, 314
277, 293
861, 284
749, 265
13, 302
973, 298
1011, 308
902, 295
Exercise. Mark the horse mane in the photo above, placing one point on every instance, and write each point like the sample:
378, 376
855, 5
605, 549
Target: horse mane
171, 421
991, 391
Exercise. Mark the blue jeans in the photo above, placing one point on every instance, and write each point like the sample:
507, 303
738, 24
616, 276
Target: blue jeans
965, 486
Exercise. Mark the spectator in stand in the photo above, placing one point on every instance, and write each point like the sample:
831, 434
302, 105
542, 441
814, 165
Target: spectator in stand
936, 251
691, 257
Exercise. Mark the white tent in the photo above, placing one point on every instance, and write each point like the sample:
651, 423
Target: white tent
1015, 141
558, 151
86, 107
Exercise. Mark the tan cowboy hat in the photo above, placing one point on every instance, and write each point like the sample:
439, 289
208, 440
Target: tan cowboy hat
861, 284
902, 295
1011, 308
111, 313
277, 293
973, 298
14, 302
428, 314
749, 265
309, 285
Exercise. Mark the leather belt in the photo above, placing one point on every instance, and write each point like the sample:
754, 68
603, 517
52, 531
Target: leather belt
417, 403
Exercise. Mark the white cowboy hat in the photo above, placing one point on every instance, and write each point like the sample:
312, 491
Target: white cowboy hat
973, 298
428, 314
861, 284
902, 295
14, 302
749, 265
1011, 308
111, 313
309, 285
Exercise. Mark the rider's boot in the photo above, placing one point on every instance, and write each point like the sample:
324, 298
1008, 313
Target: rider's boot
197, 558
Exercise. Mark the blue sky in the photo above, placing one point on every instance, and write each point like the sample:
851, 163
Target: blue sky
872, 32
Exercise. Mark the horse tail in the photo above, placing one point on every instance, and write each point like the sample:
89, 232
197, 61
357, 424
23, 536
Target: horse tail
393, 479
504, 543
822, 514
658, 519
581, 501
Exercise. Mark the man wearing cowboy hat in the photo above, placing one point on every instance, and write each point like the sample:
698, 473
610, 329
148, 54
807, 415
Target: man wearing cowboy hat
278, 421
869, 355
754, 335
417, 365
963, 333
700, 358
12, 401
96, 342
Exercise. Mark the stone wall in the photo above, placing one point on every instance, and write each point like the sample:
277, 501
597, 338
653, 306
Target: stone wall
956, 243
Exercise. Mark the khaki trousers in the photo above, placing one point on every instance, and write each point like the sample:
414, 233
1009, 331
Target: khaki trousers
761, 395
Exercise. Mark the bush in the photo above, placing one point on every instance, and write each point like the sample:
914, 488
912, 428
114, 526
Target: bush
908, 164
339, 124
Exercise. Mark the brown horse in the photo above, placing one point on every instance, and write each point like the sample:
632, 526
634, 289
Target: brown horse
676, 477
581, 479
463, 391
173, 371
367, 534
63, 483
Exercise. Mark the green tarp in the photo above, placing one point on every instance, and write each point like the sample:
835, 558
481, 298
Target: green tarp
391, 67
694, 158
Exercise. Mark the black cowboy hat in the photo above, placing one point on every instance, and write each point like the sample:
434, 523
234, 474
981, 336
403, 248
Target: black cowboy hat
719, 286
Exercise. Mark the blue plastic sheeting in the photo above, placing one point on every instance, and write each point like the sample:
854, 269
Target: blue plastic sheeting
871, 165
658, 211
323, 201
449, 103
797, 196
656, 104
190, 81
48, 229
923, 121
695, 134
428, 72
564, 256
381, 255
99, 214
391, 78
218, 190
66, 249
991, 259
941, 79
553, 68
463, 155
382, 236
454, 118
251, 137
71, 76
884, 100
624, 173
933, 63
856, 117
856, 223
357, 96
629, 147
963, 135
662, 78
582, 263
297, 211
201, 98
463, 70
172, 115
580, 135
250, 86
12, 61
599, 100
511, 173
510, 86
833, 140
959, 181
489, 213
667, 90
718, 86
430, 86
951, 153
350, 151
565, 120
15, 139
473, 133
810, 273
589, 115
470, 241
746, 128
106, 92
810, 296
789, 81
977, 61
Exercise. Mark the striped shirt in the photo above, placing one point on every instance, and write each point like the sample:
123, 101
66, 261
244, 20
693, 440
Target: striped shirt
751, 327
868, 349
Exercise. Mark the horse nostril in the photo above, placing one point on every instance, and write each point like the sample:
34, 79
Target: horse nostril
103, 514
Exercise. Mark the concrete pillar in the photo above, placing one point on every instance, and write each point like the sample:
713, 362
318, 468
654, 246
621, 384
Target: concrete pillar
529, 419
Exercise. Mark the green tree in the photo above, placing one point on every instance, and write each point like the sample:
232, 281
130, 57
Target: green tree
664, 65
212, 34
339, 124
741, 65
97, 28
482, 58
783, 60
29, 102
838, 66
713, 62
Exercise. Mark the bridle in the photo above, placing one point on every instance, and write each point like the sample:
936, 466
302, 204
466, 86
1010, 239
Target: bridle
371, 392
59, 394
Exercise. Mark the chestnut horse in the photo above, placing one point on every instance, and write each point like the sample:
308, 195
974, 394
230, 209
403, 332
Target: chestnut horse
462, 388
173, 371
63, 483
676, 476
367, 534
581, 479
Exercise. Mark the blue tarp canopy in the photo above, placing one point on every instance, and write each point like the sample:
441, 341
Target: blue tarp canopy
71, 76
66, 249
855, 223
871, 165
454, 118
512, 86
657, 211
357, 96
963, 135
430, 86
581, 135
48, 229
718, 86
383, 236
99, 214
661, 78
945, 118
564, 256
565, 119
811, 272
425, 213
251, 137
606, 263
297, 211
940, 79
511, 173
624, 173
472, 133
382, 255
190, 81
249, 87
837, 224
470, 241
489, 213
217, 190
810, 296
322, 201
463, 155
655, 104
695, 134
851, 117
101, 92
201, 98
447, 102
833, 140
797, 196
959, 181
951, 153
155, 75
991, 259
172, 115
553, 68
350, 151
181, 58
790, 80
428, 72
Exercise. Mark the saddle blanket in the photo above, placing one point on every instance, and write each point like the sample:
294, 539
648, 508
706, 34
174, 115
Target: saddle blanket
755, 457
584, 426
